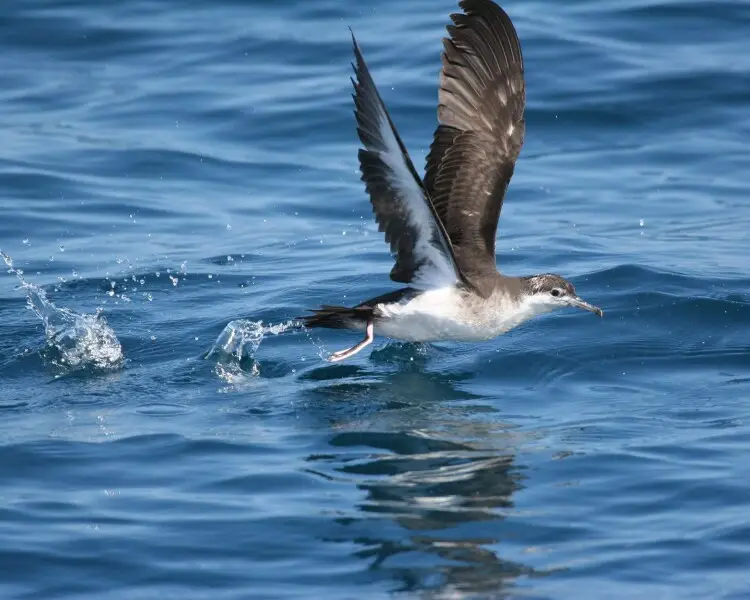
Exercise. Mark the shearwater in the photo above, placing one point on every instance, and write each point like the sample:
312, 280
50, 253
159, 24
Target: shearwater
441, 228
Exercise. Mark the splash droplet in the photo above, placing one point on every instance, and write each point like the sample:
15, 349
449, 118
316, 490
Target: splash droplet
74, 340
238, 342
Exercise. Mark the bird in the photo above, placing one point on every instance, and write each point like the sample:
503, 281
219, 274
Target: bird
441, 227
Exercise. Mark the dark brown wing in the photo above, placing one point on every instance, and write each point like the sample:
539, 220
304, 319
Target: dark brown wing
480, 132
403, 210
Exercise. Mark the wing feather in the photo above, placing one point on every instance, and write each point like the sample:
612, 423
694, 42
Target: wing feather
403, 210
480, 132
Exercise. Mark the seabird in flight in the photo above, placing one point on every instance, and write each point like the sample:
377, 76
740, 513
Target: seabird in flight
441, 228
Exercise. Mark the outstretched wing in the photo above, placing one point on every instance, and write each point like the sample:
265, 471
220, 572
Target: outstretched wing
422, 248
480, 133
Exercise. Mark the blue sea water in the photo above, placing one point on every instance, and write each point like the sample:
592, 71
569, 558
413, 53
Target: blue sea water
170, 169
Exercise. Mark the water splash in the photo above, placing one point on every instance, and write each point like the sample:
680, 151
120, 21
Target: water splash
237, 344
74, 341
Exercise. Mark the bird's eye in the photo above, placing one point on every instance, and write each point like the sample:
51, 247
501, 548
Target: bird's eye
556, 292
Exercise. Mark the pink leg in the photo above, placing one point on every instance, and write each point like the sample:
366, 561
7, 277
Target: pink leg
344, 354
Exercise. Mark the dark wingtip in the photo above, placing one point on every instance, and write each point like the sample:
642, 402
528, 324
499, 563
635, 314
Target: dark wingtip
357, 51
473, 5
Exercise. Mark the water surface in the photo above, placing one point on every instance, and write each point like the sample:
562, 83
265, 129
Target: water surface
171, 167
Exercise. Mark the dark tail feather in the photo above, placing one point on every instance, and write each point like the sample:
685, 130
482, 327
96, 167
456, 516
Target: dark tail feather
338, 317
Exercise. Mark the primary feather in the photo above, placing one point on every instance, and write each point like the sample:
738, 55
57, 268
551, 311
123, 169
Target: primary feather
480, 133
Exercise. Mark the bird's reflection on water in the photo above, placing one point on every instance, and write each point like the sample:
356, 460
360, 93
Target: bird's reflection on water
437, 472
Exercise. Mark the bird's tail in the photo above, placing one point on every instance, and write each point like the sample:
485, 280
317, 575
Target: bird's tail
338, 317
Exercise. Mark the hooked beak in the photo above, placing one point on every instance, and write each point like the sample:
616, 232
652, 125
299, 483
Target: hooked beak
580, 303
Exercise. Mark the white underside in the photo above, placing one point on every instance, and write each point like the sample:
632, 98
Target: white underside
445, 314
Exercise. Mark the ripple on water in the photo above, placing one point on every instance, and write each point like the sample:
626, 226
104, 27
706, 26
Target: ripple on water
162, 409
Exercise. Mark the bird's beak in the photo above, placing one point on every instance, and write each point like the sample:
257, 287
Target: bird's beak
580, 303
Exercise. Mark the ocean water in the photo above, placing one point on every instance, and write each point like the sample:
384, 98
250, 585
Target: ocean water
178, 180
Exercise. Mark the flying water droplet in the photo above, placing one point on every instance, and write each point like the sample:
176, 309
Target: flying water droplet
74, 341
237, 344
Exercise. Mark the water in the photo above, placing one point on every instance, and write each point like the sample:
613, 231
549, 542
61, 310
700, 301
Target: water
170, 170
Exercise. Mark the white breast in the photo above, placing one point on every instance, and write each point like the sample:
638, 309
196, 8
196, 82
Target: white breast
446, 314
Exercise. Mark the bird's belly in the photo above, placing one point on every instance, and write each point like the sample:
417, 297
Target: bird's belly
424, 327
445, 315
432, 316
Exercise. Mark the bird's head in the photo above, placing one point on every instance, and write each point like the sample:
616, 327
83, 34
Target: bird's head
549, 292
